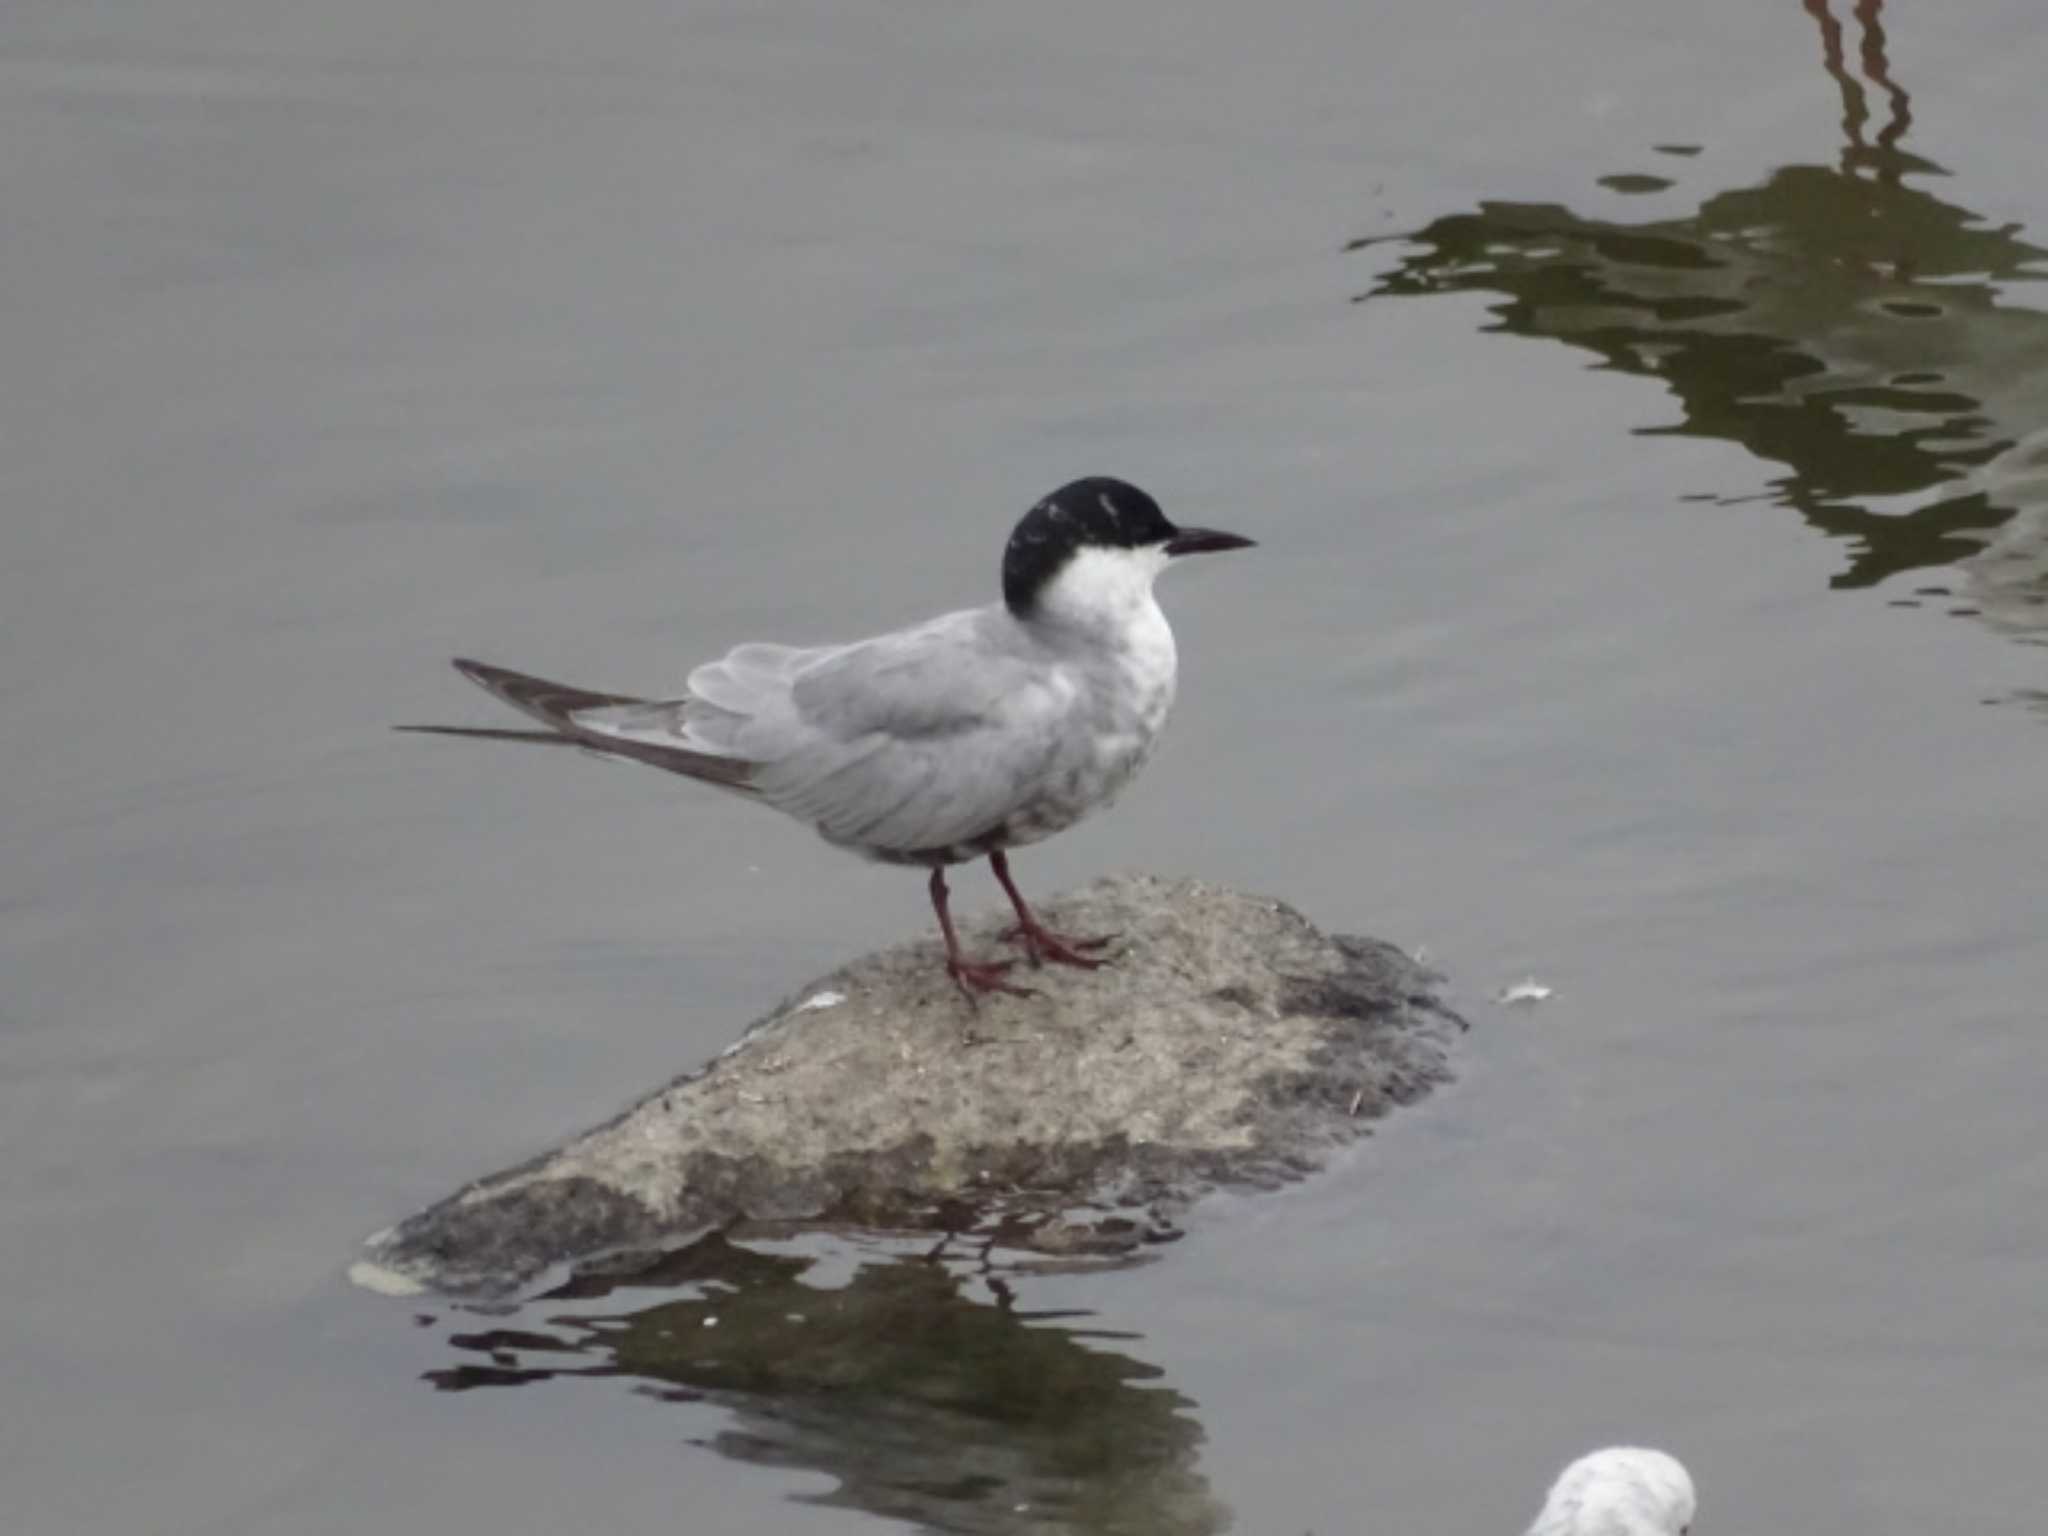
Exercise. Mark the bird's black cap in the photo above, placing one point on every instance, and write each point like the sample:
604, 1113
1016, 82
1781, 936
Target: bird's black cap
1098, 510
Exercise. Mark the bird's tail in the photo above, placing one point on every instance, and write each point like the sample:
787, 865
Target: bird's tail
577, 717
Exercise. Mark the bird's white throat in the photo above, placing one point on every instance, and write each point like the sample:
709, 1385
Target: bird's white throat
1104, 592
1100, 610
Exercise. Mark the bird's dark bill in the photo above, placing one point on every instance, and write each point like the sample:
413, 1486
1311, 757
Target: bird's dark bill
1205, 541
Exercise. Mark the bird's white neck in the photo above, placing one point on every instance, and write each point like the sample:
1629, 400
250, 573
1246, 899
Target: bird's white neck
1105, 595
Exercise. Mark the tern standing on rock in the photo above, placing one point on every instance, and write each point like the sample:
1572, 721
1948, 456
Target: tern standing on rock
956, 739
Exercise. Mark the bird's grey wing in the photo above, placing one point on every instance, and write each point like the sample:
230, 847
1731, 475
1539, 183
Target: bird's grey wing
914, 741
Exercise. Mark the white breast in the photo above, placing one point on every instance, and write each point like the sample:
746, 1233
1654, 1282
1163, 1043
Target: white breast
1099, 617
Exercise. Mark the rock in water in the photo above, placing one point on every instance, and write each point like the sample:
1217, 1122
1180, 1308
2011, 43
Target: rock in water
1229, 1042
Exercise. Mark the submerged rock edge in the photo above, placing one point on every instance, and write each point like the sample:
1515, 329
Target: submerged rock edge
1232, 1045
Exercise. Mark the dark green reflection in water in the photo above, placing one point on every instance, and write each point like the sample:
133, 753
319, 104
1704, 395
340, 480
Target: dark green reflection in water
926, 1405
1839, 321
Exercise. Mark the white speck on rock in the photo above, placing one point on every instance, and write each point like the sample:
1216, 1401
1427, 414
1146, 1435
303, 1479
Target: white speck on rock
382, 1279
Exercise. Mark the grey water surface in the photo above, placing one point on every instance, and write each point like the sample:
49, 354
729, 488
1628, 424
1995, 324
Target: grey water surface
1640, 409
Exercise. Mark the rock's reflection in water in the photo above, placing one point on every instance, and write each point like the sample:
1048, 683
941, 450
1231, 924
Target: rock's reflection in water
925, 1404
1840, 321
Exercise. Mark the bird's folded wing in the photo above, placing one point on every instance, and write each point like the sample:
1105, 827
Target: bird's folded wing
914, 741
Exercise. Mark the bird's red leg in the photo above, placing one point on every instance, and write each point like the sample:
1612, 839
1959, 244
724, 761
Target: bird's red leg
1040, 942
969, 975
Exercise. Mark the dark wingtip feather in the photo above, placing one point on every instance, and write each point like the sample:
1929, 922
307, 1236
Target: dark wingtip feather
556, 705
488, 733
553, 704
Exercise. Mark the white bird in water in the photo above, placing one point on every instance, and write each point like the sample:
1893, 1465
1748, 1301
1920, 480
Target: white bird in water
1621, 1491
956, 739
